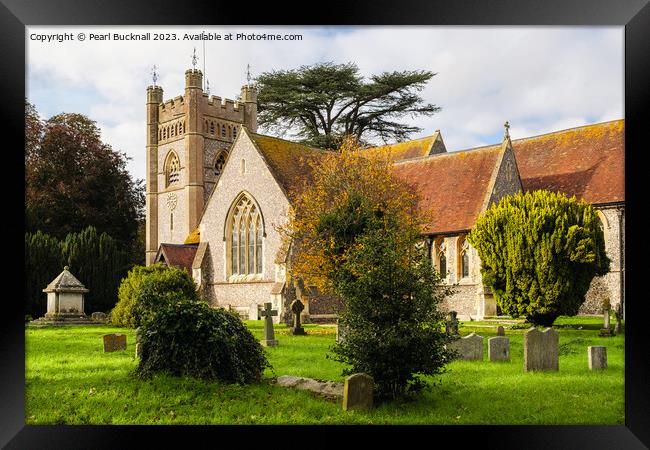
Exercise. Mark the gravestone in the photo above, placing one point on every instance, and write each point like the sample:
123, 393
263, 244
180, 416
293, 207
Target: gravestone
269, 334
357, 392
138, 345
253, 312
98, 316
606, 330
296, 309
597, 357
340, 332
451, 325
499, 348
501, 331
541, 350
469, 347
114, 342
618, 313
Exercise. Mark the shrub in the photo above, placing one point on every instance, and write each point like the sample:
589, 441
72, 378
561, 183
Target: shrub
145, 288
191, 338
539, 252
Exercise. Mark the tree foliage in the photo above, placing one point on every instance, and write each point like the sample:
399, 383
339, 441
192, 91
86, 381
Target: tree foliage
145, 288
324, 102
43, 262
356, 232
539, 252
73, 180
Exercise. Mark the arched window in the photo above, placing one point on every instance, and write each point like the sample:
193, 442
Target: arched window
211, 127
164, 133
176, 129
440, 253
234, 132
223, 131
172, 169
219, 162
205, 126
463, 257
245, 235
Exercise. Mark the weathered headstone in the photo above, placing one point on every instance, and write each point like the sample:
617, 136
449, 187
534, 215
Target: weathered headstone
597, 357
98, 316
451, 325
541, 350
114, 342
618, 313
269, 334
329, 389
501, 331
296, 309
469, 347
357, 392
340, 332
138, 345
606, 331
499, 348
253, 312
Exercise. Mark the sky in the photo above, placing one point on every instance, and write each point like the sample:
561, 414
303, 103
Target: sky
540, 79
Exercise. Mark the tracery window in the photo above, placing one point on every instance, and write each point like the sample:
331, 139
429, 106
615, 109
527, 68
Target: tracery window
441, 256
463, 257
219, 162
172, 169
245, 235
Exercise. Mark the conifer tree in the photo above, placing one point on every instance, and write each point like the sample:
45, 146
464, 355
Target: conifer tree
539, 252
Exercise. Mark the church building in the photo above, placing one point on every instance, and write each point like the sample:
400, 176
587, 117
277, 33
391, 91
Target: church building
217, 190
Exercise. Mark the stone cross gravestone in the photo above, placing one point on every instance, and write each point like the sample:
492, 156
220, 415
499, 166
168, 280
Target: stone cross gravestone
597, 357
500, 331
357, 392
114, 342
469, 347
451, 325
606, 331
541, 350
499, 348
269, 334
296, 309
253, 312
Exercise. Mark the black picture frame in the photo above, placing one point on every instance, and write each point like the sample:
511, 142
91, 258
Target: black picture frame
634, 15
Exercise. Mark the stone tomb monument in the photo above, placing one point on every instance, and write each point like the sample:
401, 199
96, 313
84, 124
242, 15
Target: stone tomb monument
65, 297
269, 334
541, 350
357, 392
499, 348
114, 342
296, 309
597, 357
469, 347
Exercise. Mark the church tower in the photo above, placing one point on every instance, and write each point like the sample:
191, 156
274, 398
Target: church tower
188, 140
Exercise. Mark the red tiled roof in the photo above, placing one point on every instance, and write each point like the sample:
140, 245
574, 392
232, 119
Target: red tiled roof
405, 150
177, 255
588, 162
453, 186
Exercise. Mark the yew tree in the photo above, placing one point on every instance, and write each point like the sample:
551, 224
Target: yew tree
539, 252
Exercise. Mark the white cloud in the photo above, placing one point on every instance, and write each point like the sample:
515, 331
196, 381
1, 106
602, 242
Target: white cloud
540, 79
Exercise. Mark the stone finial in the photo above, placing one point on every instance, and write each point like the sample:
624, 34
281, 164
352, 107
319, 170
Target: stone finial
506, 135
66, 268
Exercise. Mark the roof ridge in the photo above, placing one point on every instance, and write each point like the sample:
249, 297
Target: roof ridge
452, 153
403, 142
290, 142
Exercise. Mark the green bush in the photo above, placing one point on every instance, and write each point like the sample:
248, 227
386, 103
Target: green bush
191, 338
145, 288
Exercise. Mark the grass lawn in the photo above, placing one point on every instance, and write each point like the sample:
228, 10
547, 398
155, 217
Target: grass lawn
69, 380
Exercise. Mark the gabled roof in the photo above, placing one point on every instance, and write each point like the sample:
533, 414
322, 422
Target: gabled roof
65, 282
401, 151
588, 162
453, 186
287, 161
177, 255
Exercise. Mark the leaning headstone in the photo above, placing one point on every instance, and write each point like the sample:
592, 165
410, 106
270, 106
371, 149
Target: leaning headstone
340, 332
253, 312
469, 347
296, 309
357, 392
501, 331
597, 357
329, 389
451, 325
541, 350
606, 330
98, 316
114, 342
269, 334
499, 348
